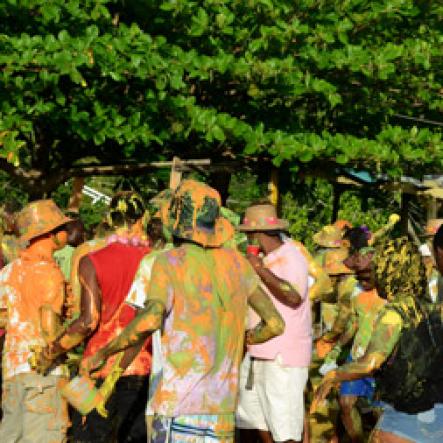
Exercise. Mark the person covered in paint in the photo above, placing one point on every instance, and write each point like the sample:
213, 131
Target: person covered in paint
354, 240
158, 240
274, 374
323, 422
399, 276
31, 302
198, 294
365, 307
85, 248
106, 276
330, 237
76, 236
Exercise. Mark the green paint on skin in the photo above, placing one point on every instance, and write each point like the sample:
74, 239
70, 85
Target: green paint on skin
286, 287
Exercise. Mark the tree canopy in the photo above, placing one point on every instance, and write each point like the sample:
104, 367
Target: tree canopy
303, 83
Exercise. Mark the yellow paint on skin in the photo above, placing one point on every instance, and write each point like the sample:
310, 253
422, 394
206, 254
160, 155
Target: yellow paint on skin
391, 318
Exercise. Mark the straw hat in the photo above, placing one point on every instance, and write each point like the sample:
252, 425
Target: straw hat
262, 218
334, 262
432, 226
38, 218
329, 237
193, 213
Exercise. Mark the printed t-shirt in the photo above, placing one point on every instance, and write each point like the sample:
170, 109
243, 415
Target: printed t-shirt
295, 344
27, 284
205, 294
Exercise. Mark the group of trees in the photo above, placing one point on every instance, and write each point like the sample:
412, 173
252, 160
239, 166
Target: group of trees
303, 85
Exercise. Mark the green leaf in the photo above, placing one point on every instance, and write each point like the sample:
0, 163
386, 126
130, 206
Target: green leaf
218, 133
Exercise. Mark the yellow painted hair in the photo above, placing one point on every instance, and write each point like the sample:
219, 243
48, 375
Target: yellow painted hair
399, 269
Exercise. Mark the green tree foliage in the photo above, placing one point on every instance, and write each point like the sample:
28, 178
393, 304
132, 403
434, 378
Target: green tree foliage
308, 206
307, 82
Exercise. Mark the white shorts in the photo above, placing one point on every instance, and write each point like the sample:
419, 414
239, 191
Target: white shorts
276, 401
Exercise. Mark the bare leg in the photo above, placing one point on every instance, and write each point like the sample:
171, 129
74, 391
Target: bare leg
386, 437
351, 418
247, 435
265, 436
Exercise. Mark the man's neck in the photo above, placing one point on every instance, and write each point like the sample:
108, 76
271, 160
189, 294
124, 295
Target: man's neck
41, 248
271, 244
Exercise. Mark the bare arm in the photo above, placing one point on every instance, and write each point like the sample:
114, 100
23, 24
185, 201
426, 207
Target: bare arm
386, 335
133, 336
3, 318
50, 323
282, 290
271, 323
89, 317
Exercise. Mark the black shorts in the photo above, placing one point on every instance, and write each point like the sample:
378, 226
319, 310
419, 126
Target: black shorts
126, 415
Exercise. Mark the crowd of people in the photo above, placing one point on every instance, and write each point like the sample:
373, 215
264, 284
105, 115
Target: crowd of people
177, 323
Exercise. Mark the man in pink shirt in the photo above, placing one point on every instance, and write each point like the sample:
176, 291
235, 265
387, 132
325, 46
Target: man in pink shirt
274, 374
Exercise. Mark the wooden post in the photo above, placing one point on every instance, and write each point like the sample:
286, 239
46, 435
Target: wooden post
176, 173
336, 192
76, 195
404, 212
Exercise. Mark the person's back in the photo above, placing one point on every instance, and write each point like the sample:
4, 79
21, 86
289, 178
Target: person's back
205, 291
24, 286
31, 301
197, 296
115, 282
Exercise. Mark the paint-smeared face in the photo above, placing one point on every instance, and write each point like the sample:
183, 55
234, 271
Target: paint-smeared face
361, 264
60, 239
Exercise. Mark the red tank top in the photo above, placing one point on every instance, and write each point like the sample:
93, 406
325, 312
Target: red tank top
115, 266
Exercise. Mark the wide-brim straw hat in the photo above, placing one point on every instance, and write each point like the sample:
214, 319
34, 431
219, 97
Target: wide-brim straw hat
262, 218
334, 262
193, 213
39, 218
432, 227
329, 237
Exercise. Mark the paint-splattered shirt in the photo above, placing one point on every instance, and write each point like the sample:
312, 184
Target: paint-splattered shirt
365, 308
138, 292
205, 294
26, 284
